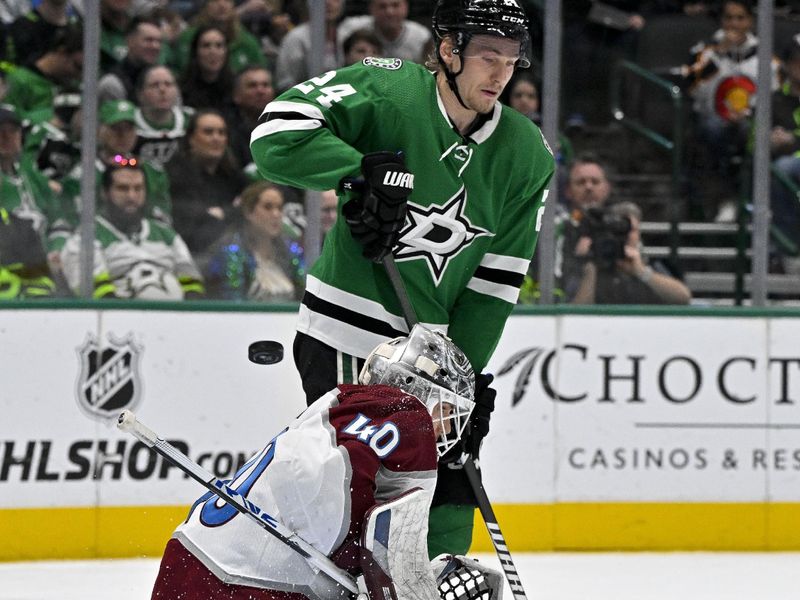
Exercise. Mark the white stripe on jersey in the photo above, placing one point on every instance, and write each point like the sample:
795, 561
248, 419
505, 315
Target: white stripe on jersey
499, 262
309, 110
498, 290
505, 263
342, 336
314, 121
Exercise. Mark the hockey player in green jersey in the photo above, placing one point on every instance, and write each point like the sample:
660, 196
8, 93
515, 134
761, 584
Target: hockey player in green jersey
451, 182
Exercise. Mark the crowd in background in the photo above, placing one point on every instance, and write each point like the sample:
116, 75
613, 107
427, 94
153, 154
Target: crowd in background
181, 211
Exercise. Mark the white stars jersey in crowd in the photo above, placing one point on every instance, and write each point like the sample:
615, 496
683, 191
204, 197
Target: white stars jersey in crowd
473, 216
355, 446
152, 264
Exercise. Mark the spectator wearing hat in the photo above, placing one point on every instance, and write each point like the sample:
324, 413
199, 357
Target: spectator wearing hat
24, 190
35, 87
135, 256
116, 139
160, 119
143, 40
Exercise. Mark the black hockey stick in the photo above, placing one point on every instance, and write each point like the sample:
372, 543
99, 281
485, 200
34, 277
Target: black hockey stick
485, 506
127, 422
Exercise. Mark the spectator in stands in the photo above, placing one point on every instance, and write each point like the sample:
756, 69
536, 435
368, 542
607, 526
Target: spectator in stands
292, 65
23, 264
207, 81
134, 256
330, 210
255, 260
24, 190
116, 139
243, 48
359, 45
160, 119
388, 20
252, 89
722, 81
617, 273
54, 139
115, 18
59, 68
522, 94
32, 34
587, 187
205, 181
144, 47
785, 144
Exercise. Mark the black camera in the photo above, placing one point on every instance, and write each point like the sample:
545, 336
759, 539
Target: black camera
609, 234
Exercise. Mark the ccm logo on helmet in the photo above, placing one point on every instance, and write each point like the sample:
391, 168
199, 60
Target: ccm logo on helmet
399, 179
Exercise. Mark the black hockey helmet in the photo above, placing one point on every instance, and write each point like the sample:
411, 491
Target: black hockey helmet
465, 18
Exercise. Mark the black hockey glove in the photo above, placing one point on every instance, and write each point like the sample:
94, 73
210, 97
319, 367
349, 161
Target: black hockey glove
479, 419
478, 425
377, 215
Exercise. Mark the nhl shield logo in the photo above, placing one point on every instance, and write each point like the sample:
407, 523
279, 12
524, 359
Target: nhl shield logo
109, 379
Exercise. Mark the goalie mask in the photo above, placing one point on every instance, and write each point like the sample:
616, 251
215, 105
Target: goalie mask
429, 366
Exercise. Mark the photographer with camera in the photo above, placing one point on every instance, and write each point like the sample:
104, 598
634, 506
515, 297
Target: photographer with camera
615, 272
586, 187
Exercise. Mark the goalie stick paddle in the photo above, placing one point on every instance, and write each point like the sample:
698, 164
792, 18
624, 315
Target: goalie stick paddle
127, 422
485, 506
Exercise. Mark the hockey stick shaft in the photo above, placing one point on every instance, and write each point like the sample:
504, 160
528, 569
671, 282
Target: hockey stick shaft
127, 422
499, 542
409, 314
485, 506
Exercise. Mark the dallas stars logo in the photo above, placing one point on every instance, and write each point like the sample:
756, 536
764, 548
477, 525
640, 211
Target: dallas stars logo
437, 233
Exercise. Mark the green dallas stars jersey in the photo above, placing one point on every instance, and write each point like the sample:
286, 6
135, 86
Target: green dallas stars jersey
473, 216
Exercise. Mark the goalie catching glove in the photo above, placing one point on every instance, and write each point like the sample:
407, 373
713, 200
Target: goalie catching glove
377, 213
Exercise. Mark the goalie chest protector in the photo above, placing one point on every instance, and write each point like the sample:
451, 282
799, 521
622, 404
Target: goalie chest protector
355, 446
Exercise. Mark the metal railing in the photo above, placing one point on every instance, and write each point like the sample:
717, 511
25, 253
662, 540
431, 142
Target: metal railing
673, 146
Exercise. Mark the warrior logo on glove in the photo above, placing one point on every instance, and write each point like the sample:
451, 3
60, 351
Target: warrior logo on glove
377, 213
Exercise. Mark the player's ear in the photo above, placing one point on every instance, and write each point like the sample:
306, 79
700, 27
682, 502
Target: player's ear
446, 47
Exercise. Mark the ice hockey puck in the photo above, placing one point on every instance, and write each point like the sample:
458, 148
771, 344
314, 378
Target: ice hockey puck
265, 352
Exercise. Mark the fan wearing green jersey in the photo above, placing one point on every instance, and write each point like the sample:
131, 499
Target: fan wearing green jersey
432, 168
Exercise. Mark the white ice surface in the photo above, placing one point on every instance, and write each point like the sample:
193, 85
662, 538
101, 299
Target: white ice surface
590, 576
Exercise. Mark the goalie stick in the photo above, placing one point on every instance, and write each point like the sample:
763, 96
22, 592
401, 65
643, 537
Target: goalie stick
485, 506
127, 422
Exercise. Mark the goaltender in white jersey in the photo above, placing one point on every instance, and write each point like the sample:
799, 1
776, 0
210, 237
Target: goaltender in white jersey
353, 476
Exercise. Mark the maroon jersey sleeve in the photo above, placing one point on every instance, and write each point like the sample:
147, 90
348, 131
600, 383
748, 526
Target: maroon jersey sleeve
383, 430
